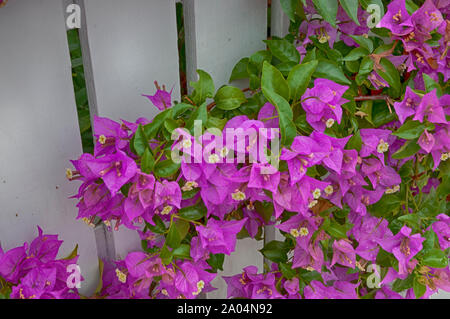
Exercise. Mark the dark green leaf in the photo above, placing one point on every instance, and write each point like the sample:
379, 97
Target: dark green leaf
329, 70
391, 75
356, 53
229, 98
419, 289
410, 130
166, 168
147, 162
299, 78
203, 88
182, 252
273, 80
327, 9
287, 126
159, 227
283, 50
192, 212
216, 261
275, 251
240, 70
351, 7
408, 149
435, 258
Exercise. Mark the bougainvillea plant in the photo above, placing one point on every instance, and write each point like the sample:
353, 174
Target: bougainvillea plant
341, 142
32, 271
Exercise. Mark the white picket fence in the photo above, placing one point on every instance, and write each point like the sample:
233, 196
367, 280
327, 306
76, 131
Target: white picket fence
126, 45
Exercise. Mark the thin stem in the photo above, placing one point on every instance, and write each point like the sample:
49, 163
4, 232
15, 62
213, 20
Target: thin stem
371, 97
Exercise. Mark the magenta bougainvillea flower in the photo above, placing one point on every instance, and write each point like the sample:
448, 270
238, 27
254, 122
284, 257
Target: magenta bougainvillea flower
397, 18
347, 182
161, 99
323, 103
220, 237
404, 246
35, 273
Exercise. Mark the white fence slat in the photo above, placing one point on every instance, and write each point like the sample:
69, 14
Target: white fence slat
218, 34
279, 25
39, 132
127, 46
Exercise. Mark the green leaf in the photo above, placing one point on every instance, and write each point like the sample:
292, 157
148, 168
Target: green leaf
273, 80
166, 255
192, 212
275, 251
363, 42
215, 122
401, 285
151, 129
240, 70
256, 61
419, 289
408, 149
411, 219
229, 98
355, 142
410, 130
327, 9
166, 168
287, 271
289, 7
435, 258
366, 65
199, 114
73, 254
171, 125
285, 115
216, 261
351, 7
430, 240
177, 231
203, 88
299, 78
356, 54
184, 251
384, 206
140, 141
329, 70
431, 85
179, 108
283, 50
147, 162
337, 230
159, 227
391, 75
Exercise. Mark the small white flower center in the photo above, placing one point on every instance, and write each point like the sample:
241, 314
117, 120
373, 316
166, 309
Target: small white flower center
213, 158
294, 232
238, 195
329, 190
102, 139
382, 147
329, 123
121, 276
187, 143
166, 210
316, 193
